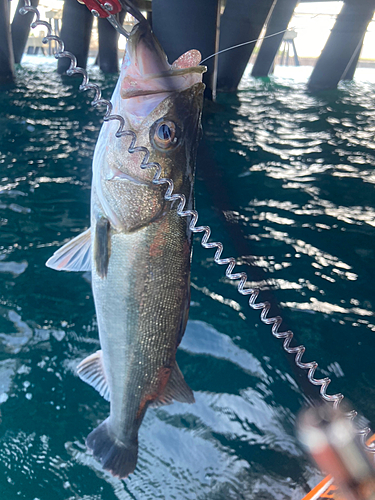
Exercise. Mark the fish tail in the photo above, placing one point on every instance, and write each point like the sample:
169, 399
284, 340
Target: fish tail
118, 458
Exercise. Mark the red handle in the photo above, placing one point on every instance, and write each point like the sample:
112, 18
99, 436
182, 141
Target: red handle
102, 8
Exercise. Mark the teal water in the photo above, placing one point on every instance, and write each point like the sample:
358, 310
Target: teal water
286, 181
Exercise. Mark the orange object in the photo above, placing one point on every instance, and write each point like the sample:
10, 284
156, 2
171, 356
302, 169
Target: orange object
326, 489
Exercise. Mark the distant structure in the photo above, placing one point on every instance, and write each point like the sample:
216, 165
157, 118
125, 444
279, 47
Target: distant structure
279, 18
208, 25
286, 45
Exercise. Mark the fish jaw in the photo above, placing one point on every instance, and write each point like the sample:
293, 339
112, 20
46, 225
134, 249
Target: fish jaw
147, 78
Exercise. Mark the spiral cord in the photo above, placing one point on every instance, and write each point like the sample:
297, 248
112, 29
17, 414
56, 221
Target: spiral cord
253, 293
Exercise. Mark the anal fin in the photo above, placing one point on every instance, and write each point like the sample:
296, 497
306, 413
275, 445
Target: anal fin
175, 390
91, 371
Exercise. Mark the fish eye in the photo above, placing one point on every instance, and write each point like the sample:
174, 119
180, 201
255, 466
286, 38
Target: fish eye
165, 134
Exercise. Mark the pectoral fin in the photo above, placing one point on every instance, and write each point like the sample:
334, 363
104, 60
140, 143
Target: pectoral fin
175, 390
91, 371
102, 246
74, 255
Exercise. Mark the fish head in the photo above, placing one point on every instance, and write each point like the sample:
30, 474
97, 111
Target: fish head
146, 76
161, 104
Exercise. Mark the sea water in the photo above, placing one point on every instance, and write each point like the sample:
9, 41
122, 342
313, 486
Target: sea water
285, 179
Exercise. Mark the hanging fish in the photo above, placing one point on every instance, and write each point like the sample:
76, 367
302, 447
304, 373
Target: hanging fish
138, 248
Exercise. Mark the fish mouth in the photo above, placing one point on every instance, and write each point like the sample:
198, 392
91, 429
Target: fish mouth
146, 71
118, 175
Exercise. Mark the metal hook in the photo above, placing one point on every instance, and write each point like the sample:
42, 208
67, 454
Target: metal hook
128, 6
107, 9
118, 27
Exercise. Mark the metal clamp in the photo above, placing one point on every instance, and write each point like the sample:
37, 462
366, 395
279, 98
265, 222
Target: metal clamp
102, 9
106, 9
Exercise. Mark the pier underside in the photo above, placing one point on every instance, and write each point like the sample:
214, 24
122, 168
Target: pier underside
76, 32
209, 26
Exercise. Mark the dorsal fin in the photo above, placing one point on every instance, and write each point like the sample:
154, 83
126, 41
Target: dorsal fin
91, 371
175, 390
74, 255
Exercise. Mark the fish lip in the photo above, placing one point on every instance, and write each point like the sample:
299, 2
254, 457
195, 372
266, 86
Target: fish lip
119, 175
129, 94
178, 72
137, 93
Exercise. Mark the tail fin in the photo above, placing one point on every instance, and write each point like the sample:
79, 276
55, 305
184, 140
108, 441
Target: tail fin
118, 458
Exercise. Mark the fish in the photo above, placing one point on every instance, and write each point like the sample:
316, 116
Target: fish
137, 247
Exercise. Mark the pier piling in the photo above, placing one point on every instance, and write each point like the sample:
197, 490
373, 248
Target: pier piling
279, 19
352, 66
241, 22
181, 26
6, 49
341, 48
75, 32
108, 52
20, 29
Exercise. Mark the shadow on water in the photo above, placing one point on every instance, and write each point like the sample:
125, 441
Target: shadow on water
285, 180
224, 203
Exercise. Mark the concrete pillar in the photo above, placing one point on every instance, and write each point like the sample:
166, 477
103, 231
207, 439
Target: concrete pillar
345, 39
108, 39
6, 49
149, 17
183, 25
76, 33
242, 21
20, 30
281, 15
352, 66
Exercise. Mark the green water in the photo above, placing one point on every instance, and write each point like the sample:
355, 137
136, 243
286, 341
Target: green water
286, 181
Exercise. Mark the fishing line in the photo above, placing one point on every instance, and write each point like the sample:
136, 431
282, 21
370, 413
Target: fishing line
245, 43
253, 293
293, 28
